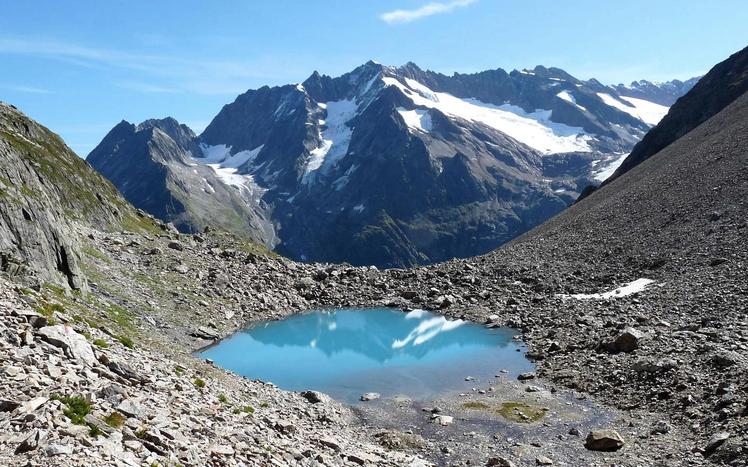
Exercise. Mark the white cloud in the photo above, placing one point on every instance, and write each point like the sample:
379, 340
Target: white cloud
407, 16
147, 88
174, 74
28, 89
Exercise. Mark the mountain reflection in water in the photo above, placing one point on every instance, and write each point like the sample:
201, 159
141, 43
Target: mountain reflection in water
347, 352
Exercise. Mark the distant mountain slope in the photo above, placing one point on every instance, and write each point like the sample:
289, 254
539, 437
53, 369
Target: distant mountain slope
151, 165
660, 93
393, 166
722, 85
44, 188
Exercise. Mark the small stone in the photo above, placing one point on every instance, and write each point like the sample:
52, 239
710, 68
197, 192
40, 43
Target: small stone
661, 427
443, 420
526, 376
604, 440
532, 389
330, 443
58, 450
542, 460
221, 450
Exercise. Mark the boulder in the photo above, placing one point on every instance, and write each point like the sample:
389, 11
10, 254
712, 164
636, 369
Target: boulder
131, 408
499, 462
370, 396
716, 441
627, 341
73, 344
206, 333
31, 442
604, 440
313, 397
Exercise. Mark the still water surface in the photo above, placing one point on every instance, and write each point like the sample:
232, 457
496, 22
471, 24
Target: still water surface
345, 353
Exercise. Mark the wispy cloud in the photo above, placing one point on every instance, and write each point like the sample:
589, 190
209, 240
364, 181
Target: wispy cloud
28, 89
171, 73
407, 16
147, 88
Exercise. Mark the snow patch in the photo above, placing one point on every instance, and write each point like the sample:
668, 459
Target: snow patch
607, 170
534, 129
648, 112
334, 138
417, 119
568, 97
226, 166
627, 289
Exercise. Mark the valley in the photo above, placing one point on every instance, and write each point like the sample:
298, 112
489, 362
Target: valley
391, 267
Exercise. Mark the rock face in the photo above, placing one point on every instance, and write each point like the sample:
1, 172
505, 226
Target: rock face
385, 166
722, 85
43, 187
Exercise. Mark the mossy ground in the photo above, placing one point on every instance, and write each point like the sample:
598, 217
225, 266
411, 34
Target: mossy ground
519, 412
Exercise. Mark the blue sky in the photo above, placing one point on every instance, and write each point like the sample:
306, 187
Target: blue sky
80, 67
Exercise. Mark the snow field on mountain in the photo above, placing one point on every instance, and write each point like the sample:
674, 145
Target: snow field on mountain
417, 119
534, 129
226, 166
335, 136
648, 112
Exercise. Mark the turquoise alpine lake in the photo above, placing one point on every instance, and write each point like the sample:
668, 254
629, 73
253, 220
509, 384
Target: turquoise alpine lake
348, 352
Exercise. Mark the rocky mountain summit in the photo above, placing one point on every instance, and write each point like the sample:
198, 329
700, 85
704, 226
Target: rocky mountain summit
152, 165
663, 93
390, 166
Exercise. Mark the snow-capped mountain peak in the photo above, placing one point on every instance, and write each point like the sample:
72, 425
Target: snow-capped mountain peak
398, 165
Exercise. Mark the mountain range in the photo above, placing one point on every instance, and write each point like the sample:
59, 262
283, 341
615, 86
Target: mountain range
388, 166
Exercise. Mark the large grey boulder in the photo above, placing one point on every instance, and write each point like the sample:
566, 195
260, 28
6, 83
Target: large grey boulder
73, 344
604, 440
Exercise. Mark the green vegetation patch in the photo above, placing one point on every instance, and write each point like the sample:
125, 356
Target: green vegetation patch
101, 343
248, 409
519, 412
48, 311
126, 341
76, 408
115, 420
